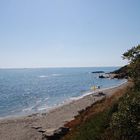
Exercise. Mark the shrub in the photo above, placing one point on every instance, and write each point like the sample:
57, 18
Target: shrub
125, 123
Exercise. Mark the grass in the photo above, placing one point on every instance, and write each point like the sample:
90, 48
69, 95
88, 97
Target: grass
91, 129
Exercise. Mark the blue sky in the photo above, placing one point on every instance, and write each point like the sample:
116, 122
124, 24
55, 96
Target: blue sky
67, 33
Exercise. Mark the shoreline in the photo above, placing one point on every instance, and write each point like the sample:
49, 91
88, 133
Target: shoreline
37, 125
68, 101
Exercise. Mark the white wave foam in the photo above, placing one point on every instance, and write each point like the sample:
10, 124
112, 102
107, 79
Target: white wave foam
53, 75
45, 107
43, 76
36, 106
28, 109
56, 74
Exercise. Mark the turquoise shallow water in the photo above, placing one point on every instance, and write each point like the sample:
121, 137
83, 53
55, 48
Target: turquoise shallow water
26, 91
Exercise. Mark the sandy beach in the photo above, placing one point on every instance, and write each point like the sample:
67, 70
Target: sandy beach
36, 126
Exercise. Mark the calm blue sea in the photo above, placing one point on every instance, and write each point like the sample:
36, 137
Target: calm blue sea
26, 91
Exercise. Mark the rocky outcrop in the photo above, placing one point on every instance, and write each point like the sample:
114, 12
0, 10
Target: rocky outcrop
57, 134
121, 73
98, 72
103, 76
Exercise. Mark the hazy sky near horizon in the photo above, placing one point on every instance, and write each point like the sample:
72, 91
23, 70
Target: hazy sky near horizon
67, 33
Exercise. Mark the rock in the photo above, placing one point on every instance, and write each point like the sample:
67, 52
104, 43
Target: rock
103, 76
98, 72
57, 134
101, 94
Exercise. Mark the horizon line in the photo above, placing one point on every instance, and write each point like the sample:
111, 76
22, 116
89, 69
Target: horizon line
58, 67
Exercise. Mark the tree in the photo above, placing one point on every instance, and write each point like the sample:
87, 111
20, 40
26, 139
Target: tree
125, 123
133, 56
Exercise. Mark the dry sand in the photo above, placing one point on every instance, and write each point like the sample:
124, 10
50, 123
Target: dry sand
34, 127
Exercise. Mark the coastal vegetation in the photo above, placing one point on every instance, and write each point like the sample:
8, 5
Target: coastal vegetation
115, 118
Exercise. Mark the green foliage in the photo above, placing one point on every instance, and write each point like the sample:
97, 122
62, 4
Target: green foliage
92, 128
125, 123
133, 55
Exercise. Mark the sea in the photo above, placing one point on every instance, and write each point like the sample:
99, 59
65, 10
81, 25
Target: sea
33, 90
